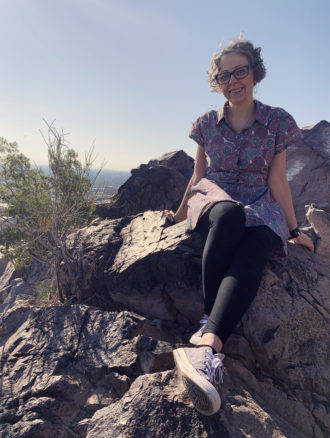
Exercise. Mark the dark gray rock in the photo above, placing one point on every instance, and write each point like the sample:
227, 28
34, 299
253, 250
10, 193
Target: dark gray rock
61, 364
156, 406
177, 160
282, 344
158, 185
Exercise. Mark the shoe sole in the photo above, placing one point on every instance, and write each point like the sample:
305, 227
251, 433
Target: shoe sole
202, 393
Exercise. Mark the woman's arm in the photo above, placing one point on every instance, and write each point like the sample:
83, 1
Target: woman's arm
280, 190
199, 173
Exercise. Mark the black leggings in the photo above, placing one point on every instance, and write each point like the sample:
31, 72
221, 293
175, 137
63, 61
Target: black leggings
234, 259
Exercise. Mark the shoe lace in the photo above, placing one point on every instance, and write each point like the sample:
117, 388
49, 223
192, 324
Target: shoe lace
214, 367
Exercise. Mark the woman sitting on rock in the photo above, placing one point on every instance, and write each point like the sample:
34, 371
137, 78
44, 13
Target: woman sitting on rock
239, 200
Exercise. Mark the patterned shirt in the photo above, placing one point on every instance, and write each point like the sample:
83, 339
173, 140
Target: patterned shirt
238, 164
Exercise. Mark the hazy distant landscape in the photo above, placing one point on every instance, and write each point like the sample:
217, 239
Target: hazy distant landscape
106, 178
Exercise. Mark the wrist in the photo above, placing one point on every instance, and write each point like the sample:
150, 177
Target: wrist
294, 233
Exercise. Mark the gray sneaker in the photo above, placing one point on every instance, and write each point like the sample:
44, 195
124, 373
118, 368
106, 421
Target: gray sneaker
201, 372
196, 337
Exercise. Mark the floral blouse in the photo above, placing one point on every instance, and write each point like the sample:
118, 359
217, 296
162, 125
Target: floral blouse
238, 165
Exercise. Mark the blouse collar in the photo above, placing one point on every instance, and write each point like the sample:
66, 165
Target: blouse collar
261, 116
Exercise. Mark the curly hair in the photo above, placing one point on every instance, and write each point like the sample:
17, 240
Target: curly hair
242, 47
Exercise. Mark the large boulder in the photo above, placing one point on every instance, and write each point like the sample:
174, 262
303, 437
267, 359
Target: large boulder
279, 352
158, 185
81, 371
320, 222
308, 169
60, 364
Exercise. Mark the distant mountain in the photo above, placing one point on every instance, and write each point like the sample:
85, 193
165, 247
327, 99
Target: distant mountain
106, 178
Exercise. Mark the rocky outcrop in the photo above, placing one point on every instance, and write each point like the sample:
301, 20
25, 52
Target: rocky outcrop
279, 352
308, 168
103, 367
60, 364
320, 222
81, 371
158, 185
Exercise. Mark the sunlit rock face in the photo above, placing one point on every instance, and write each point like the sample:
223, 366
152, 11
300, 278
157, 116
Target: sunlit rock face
308, 168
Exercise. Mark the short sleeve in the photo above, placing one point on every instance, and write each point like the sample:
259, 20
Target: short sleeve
287, 132
196, 132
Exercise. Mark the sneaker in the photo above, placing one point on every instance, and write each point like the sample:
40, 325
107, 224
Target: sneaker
201, 372
196, 337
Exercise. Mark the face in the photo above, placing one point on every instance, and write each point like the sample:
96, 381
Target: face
236, 90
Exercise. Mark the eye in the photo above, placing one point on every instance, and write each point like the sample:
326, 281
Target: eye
241, 72
223, 77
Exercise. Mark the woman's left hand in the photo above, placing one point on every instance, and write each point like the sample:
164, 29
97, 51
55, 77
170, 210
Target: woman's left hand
304, 240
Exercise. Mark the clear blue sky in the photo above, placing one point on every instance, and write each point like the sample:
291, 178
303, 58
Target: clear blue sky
130, 75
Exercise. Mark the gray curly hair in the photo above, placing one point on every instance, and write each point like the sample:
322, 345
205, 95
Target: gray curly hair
242, 47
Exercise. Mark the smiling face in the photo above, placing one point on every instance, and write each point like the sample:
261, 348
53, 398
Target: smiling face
236, 91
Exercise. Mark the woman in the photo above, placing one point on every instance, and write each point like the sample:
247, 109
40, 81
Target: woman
239, 200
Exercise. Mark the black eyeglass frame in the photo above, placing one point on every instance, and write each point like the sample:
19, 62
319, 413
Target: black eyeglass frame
234, 72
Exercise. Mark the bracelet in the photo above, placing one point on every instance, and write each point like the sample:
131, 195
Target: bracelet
294, 233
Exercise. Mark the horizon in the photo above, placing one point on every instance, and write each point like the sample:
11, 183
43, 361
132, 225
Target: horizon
131, 78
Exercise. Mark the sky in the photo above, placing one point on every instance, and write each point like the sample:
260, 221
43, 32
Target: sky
128, 77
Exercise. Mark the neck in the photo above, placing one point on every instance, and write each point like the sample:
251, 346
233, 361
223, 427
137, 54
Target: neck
243, 110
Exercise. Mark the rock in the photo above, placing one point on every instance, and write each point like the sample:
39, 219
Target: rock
60, 364
3, 264
179, 161
280, 348
142, 265
308, 168
320, 222
7, 275
157, 406
158, 185
19, 290
318, 138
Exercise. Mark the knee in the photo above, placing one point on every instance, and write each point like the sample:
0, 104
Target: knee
227, 213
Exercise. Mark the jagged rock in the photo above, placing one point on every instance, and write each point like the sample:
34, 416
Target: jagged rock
179, 161
158, 185
7, 275
156, 407
308, 170
320, 222
142, 265
318, 138
60, 364
282, 344
69, 370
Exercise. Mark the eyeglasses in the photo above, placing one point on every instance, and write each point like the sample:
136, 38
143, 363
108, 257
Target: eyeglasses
238, 73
